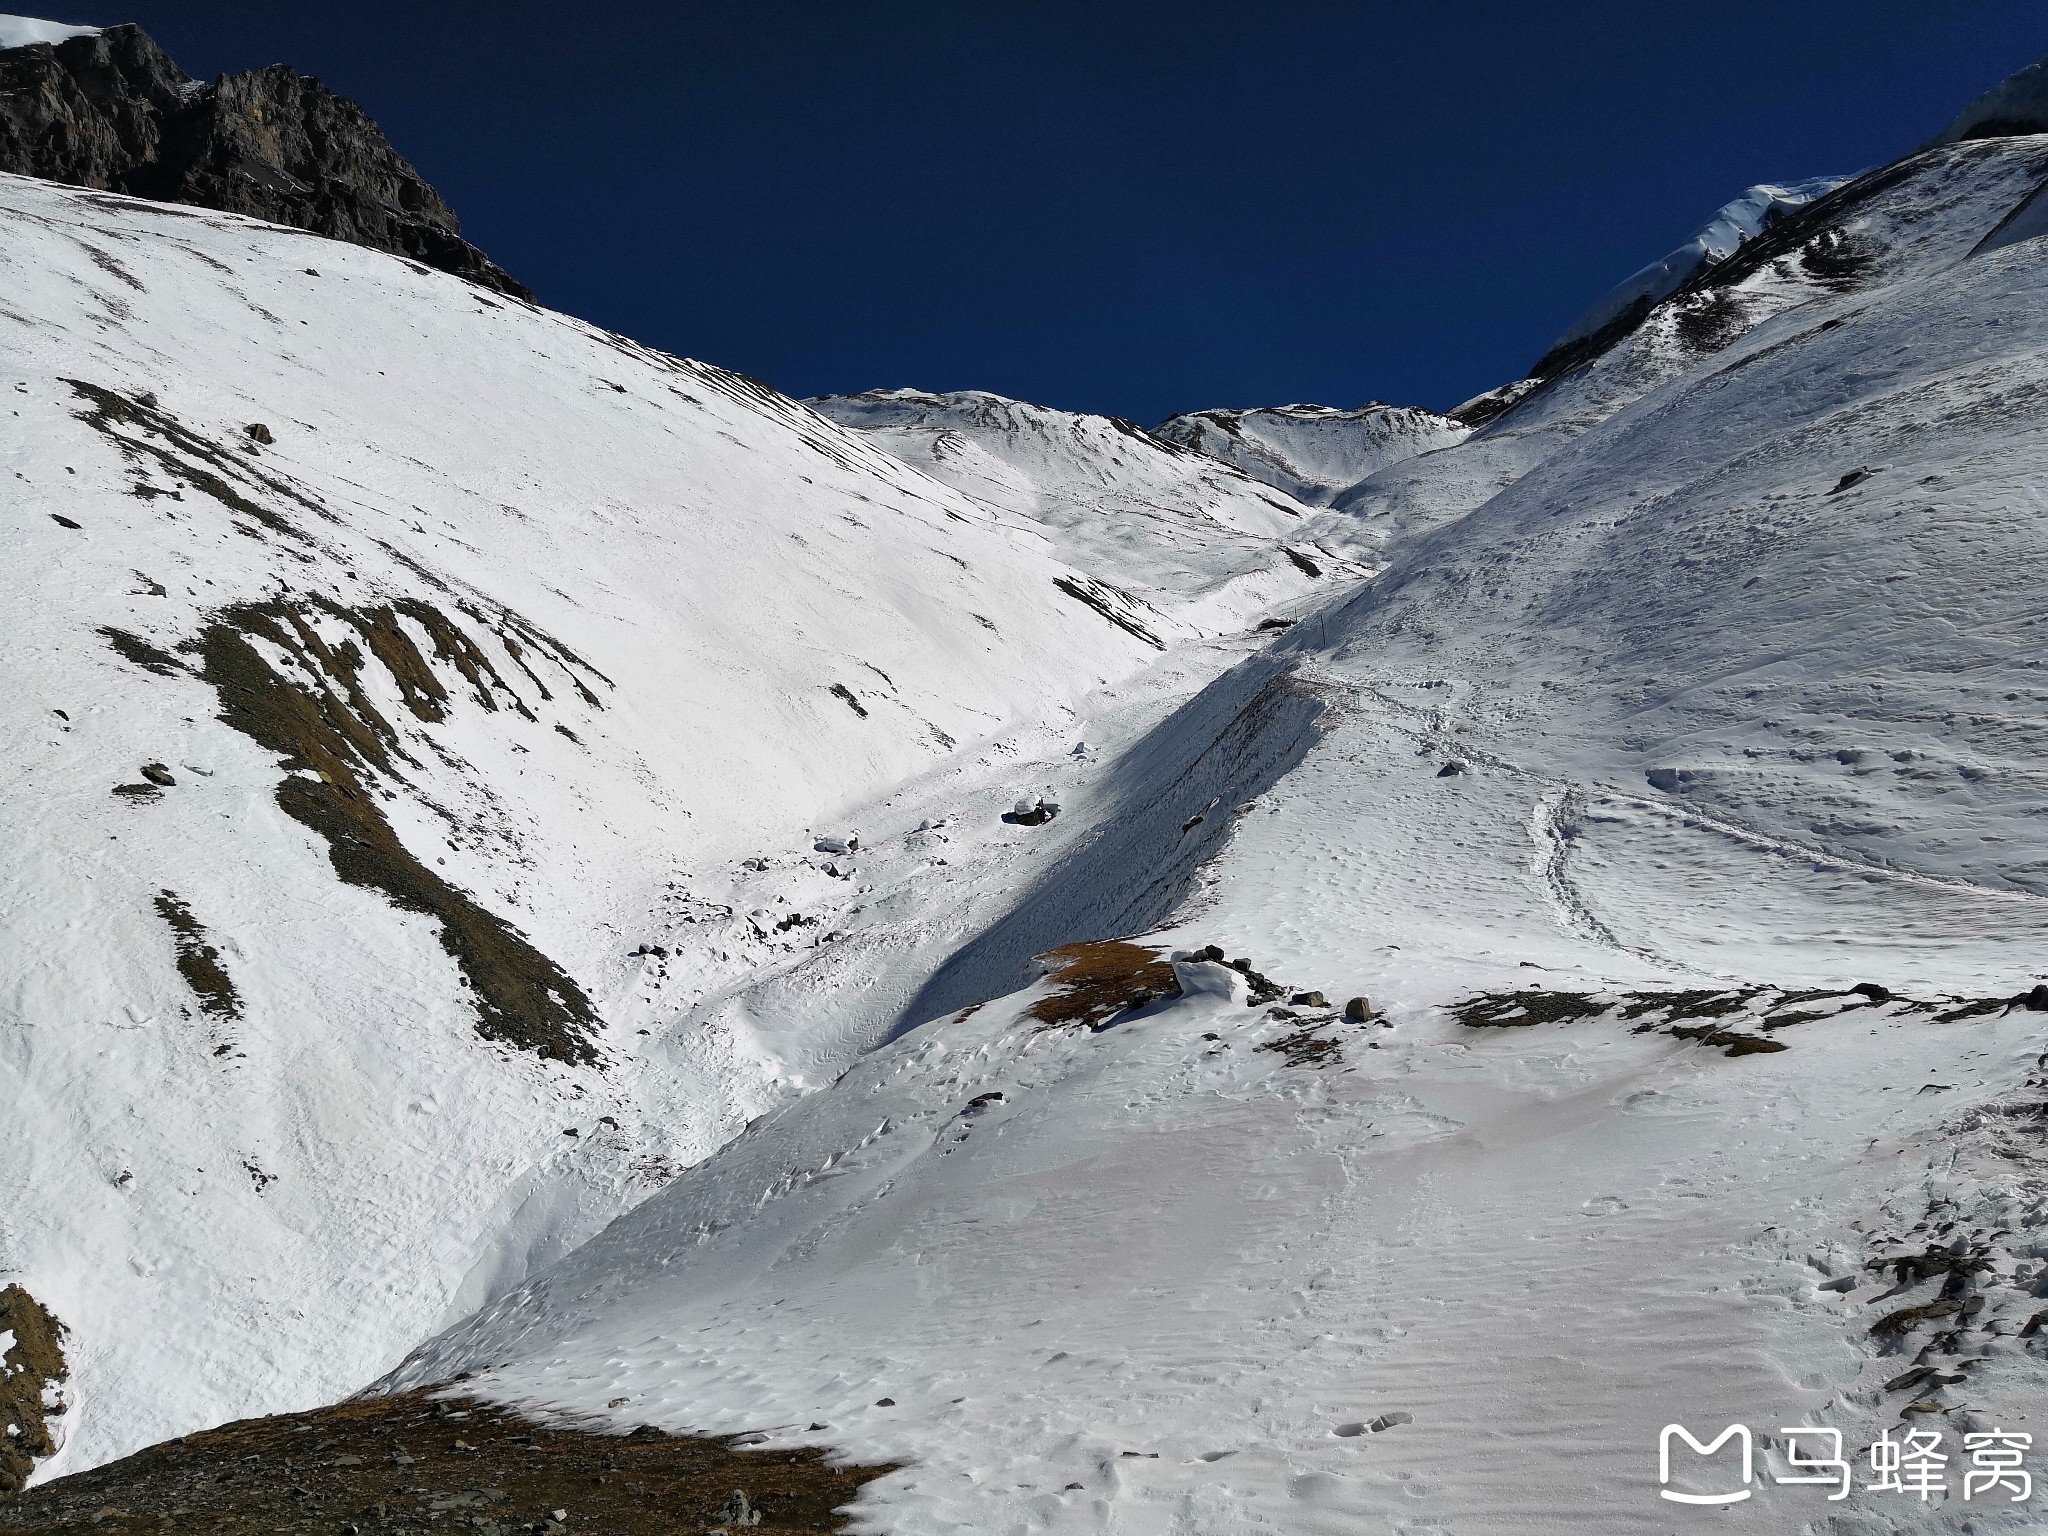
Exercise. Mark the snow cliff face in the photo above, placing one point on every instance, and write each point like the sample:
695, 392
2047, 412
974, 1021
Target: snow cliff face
401, 671
1721, 703
1313, 452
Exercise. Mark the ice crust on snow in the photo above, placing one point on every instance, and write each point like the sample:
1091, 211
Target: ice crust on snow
21, 31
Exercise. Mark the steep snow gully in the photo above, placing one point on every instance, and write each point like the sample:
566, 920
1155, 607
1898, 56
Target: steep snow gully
546, 865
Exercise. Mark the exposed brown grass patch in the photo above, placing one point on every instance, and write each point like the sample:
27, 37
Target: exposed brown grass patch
151, 658
1101, 977
1307, 1047
198, 961
523, 997
415, 1463
1669, 1011
33, 1363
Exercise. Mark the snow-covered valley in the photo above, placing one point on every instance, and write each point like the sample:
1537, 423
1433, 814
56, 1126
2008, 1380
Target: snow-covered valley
531, 860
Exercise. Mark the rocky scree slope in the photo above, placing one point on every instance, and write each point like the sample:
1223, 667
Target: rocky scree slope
109, 109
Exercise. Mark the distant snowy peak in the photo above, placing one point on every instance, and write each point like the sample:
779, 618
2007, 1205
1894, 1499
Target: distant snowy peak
1198, 544
1313, 452
1715, 241
26, 31
979, 407
2016, 105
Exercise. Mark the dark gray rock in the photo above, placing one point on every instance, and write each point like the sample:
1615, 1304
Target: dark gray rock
112, 111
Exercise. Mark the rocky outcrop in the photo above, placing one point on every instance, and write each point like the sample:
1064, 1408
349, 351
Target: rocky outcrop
111, 110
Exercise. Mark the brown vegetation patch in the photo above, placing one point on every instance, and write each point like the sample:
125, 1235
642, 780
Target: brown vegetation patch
1305, 1047
415, 1463
155, 436
1665, 1011
149, 657
198, 961
31, 1366
522, 996
1497, 1010
1100, 978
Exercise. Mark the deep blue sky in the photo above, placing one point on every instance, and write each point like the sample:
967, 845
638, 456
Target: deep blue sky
1127, 207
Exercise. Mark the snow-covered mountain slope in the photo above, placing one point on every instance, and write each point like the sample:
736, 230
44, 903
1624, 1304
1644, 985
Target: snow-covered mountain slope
2017, 105
25, 31
1919, 216
1184, 544
393, 665
1313, 452
1725, 703
1733, 225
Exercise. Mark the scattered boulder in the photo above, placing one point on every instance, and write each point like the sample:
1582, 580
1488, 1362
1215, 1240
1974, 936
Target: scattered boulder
1450, 770
2035, 998
1873, 991
1358, 1010
259, 433
738, 1512
1032, 811
157, 773
836, 845
1309, 1000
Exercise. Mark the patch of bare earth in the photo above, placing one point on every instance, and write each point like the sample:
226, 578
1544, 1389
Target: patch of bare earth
417, 1463
32, 1375
1093, 981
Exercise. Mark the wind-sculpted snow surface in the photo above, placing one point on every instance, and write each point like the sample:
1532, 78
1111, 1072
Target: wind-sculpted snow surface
396, 671
1722, 692
1191, 545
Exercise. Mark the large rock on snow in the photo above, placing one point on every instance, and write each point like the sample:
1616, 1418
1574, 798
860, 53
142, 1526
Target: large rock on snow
109, 109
